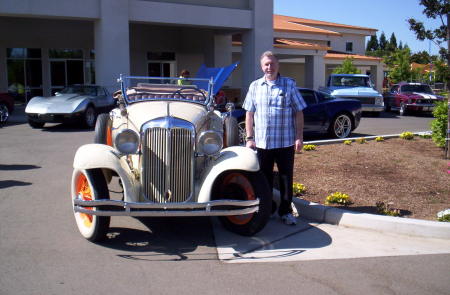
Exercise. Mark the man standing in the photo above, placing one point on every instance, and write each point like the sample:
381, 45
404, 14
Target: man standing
274, 126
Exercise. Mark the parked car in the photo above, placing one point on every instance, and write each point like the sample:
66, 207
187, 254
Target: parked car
324, 113
6, 106
80, 103
405, 97
355, 86
174, 155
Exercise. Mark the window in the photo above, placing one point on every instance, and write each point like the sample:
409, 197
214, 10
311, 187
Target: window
161, 64
308, 97
329, 43
24, 67
349, 46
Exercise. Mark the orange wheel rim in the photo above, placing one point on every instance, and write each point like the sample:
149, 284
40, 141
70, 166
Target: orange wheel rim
84, 190
109, 136
246, 186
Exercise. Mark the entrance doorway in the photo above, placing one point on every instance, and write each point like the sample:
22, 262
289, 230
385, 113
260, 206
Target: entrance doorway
66, 72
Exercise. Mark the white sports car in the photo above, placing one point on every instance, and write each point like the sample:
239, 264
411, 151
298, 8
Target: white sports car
80, 103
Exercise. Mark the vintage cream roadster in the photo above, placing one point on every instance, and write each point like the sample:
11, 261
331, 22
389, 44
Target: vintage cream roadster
174, 155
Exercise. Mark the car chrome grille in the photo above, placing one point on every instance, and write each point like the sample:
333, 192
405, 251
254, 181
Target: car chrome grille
363, 99
167, 164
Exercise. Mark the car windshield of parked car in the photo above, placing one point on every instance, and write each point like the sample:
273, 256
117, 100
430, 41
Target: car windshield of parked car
351, 81
81, 90
416, 88
138, 89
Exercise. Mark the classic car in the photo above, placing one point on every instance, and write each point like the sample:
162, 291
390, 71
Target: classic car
175, 155
6, 106
324, 113
80, 103
405, 97
355, 86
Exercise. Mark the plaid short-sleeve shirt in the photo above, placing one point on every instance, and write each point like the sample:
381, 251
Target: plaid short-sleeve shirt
274, 108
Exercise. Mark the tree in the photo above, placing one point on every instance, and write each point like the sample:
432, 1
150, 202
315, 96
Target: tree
392, 45
436, 9
400, 45
399, 65
383, 41
347, 67
372, 45
421, 57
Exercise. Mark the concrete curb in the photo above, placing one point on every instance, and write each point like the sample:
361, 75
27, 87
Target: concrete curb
380, 223
372, 137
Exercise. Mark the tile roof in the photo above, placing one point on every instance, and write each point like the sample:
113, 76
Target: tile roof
288, 43
354, 56
303, 25
285, 25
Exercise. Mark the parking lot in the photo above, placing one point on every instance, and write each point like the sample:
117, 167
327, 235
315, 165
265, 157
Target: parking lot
43, 253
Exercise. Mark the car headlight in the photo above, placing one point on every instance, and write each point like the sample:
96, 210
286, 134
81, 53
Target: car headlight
210, 142
127, 141
379, 100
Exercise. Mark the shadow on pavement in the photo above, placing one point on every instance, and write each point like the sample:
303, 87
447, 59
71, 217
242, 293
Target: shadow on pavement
167, 239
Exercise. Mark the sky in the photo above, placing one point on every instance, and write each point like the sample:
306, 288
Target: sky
388, 16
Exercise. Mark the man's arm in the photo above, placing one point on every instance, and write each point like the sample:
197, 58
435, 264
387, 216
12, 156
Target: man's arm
299, 123
249, 119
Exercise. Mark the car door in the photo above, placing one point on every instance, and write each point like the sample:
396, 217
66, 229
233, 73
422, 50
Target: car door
102, 99
314, 113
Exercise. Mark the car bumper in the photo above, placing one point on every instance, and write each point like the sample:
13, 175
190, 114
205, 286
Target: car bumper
54, 118
147, 209
418, 107
372, 108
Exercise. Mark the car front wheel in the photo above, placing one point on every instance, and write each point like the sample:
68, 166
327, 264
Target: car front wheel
35, 124
91, 185
89, 117
241, 185
341, 126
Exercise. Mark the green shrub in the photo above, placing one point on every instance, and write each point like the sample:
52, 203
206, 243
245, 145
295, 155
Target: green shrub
379, 139
298, 188
347, 142
361, 140
439, 123
309, 147
407, 135
444, 216
338, 198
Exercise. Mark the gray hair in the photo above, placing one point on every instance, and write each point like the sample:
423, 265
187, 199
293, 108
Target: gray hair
269, 54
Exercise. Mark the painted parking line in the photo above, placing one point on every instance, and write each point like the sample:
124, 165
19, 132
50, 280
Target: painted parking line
312, 241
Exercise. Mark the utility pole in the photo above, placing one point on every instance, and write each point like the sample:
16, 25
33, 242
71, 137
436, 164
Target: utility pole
447, 138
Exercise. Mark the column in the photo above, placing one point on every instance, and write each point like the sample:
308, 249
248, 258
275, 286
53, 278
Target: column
314, 71
112, 45
256, 41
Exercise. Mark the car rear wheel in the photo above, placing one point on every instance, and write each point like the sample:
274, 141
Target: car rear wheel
4, 113
89, 117
241, 185
91, 185
103, 127
341, 126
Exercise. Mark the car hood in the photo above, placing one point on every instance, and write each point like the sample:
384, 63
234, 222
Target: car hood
421, 95
219, 76
62, 103
141, 113
355, 91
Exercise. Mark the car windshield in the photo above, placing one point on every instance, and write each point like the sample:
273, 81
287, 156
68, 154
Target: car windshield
351, 81
137, 89
81, 90
417, 88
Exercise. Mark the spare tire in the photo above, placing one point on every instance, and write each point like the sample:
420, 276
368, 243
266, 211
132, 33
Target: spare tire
103, 129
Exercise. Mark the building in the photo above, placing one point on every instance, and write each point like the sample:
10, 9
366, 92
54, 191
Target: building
47, 44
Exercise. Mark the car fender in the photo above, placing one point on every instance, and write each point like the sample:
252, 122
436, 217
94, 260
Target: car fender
232, 158
92, 156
